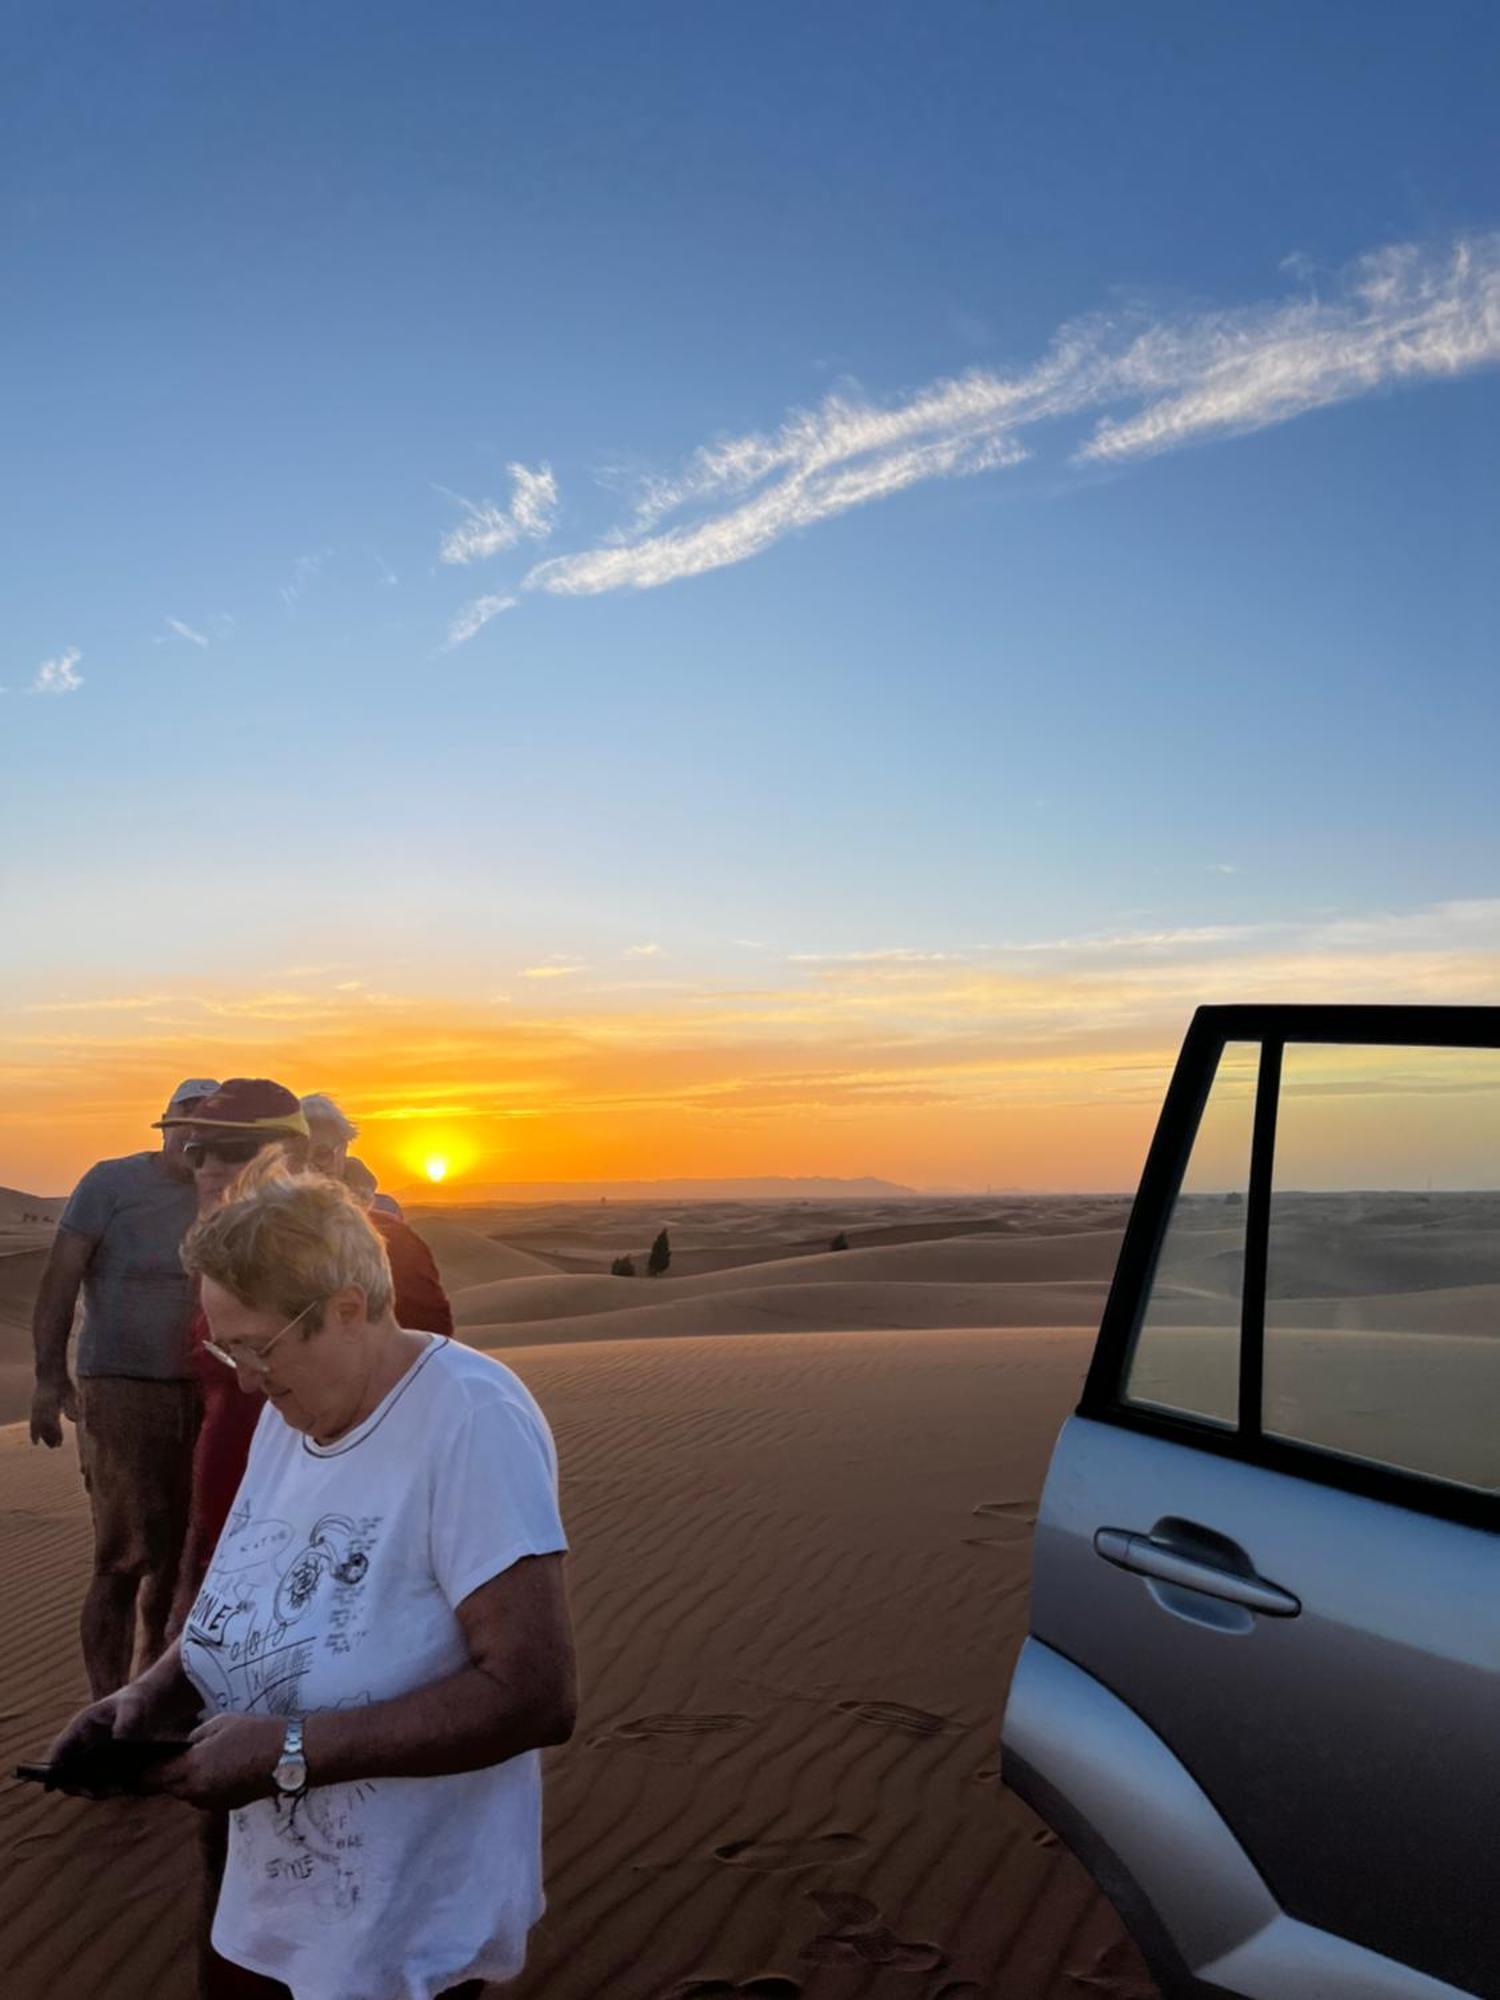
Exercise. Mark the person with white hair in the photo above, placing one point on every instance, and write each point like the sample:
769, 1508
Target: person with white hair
332, 1134
382, 1644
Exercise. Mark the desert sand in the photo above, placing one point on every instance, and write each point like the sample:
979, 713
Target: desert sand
800, 1484
801, 1532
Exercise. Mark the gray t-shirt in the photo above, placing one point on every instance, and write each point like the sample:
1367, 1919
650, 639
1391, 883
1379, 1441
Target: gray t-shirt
137, 1300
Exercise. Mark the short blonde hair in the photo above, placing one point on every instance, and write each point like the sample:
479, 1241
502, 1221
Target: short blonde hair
287, 1242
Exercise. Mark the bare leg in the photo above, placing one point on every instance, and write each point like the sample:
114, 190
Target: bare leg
154, 1605
107, 1630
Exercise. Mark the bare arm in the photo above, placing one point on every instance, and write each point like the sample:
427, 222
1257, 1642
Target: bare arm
56, 1298
517, 1693
157, 1702
51, 1323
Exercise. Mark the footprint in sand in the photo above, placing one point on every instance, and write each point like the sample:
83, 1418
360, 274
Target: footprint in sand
765, 1986
1116, 1972
780, 1857
859, 1936
646, 1731
896, 1715
1016, 1517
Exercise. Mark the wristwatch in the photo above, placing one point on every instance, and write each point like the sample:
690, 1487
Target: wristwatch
290, 1774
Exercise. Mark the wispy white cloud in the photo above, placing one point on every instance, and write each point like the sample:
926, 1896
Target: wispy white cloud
113, 1003
890, 955
843, 469
1403, 314
488, 529
59, 676
1108, 943
554, 968
474, 617
304, 569
186, 632
642, 950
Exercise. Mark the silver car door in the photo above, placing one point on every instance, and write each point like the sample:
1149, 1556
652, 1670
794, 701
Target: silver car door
1271, 1530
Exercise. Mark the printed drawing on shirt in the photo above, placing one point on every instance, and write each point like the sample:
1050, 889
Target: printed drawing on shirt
271, 1602
251, 1629
315, 1848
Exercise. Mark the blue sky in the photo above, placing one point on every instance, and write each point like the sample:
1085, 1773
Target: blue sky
1167, 334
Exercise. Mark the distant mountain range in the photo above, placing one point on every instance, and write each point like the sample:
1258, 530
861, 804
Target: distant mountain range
765, 1187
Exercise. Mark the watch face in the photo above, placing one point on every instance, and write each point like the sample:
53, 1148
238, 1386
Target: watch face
290, 1774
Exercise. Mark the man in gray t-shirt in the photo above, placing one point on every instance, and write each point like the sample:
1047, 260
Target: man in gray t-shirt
136, 1403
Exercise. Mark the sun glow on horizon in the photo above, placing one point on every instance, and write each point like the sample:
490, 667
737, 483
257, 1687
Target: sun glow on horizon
436, 1169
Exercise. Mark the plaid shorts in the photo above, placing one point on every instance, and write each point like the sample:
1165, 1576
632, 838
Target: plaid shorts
135, 1443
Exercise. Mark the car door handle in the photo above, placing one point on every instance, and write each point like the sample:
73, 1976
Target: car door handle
1144, 1557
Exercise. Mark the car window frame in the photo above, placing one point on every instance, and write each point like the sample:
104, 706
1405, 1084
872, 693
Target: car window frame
1272, 1028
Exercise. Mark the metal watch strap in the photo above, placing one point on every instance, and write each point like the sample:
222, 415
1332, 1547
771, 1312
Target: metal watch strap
291, 1747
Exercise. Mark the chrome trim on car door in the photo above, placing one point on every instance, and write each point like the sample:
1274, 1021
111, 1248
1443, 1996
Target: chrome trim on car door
1144, 1557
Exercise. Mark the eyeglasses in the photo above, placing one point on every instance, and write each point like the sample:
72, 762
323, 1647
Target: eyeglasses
231, 1152
253, 1359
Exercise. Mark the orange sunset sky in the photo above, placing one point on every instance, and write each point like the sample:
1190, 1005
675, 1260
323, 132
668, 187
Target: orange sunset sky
1037, 1067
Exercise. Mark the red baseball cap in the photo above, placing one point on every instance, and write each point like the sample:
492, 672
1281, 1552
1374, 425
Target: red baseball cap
248, 1104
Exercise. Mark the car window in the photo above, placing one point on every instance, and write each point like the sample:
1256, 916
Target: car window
1185, 1357
1383, 1259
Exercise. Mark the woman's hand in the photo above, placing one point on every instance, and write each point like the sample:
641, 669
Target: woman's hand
229, 1762
126, 1712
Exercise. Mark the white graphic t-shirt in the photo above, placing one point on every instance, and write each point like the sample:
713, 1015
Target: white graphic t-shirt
335, 1583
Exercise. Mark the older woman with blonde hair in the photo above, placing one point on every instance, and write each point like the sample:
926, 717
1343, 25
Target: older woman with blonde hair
382, 1640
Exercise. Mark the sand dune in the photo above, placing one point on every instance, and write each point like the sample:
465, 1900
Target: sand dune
811, 1309
963, 1261
20, 1271
1309, 1260
1342, 1246
467, 1257
505, 1293
19, 1209
1460, 1309
793, 1668
587, 1236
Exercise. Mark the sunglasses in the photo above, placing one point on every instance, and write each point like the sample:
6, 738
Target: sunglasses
253, 1359
229, 1152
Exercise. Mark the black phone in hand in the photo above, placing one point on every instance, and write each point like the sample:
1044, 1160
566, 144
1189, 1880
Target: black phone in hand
106, 1764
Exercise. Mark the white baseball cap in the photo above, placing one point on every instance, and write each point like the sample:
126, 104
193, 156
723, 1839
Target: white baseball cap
190, 1091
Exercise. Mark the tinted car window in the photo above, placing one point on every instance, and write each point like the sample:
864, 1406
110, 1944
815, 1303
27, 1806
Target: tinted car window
1383, 1284
1186, 1352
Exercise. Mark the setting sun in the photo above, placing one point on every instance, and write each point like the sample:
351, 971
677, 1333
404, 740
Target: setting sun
437, 1169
